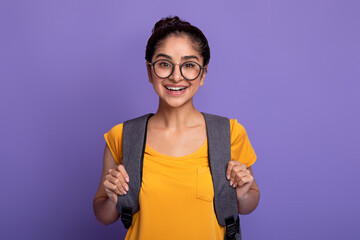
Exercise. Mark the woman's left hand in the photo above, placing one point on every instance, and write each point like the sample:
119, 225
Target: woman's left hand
239, 177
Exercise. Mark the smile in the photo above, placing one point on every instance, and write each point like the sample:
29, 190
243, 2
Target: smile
175, 89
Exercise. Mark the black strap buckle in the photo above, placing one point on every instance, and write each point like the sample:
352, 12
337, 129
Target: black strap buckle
232, 227
126, 216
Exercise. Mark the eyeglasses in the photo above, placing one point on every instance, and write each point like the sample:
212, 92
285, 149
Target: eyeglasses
164, 68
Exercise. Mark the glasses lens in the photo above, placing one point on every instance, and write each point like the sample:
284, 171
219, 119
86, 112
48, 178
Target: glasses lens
190, 70
163, 68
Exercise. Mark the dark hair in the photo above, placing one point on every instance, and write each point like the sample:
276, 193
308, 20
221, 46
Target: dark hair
174, 25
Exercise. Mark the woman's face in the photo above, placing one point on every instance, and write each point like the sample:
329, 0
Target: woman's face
175, 90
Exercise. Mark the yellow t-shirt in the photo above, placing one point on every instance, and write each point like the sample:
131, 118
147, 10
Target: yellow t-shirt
176, 195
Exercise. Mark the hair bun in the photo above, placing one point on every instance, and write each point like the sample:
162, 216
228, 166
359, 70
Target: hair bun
172, 26
169, 22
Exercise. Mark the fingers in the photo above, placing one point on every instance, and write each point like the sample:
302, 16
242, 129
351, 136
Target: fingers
111, 191
230, 167
113, 196
116, 181
117, 178
116, 185
121, 169
241, 181
238, 174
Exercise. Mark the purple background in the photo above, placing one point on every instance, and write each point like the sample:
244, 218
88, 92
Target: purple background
289, 71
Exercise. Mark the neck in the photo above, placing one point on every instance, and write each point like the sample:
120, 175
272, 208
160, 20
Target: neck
178, 117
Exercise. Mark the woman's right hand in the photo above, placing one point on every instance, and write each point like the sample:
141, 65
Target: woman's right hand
116, 182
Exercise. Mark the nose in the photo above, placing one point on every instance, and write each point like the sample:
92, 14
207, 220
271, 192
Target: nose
176, 75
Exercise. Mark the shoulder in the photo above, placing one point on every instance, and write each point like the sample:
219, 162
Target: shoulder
113, 140
241, 149
236, 129
115, 132
130, 124
117, 128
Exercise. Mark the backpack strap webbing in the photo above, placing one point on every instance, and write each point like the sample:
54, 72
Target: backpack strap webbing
219, 154
133, 146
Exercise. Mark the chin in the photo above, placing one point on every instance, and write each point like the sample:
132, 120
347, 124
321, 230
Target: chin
176, 103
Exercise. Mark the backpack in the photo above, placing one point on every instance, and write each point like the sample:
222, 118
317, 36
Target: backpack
219, 154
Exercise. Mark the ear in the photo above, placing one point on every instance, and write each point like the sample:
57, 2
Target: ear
148, 67
203, 75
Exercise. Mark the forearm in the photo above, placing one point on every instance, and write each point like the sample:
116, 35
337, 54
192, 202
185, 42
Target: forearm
249, 202
105, 211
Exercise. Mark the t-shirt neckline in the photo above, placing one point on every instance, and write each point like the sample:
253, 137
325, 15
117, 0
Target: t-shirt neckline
191, 155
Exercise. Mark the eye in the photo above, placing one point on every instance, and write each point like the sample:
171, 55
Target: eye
189, 65
164, 64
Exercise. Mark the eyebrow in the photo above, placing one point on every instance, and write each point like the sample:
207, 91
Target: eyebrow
190, 57
163, 55
182, 58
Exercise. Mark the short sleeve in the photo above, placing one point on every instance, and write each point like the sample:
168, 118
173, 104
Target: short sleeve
241, 149
113, 139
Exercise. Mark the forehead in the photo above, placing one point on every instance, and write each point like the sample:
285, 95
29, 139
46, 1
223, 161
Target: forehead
178, 46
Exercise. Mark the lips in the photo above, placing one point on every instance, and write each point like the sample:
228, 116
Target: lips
175, 89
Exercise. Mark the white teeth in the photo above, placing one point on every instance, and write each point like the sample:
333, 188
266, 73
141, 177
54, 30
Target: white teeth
175, 88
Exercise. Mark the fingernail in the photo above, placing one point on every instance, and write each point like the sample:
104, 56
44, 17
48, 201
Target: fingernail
126, 188
231, 183
228, 177
127, 179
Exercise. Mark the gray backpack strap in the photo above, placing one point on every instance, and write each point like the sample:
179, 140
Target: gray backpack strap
133, 141
219, 154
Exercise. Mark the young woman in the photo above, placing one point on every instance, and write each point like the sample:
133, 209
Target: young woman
172, 203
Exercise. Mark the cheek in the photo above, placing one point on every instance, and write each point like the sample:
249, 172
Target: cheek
156, 82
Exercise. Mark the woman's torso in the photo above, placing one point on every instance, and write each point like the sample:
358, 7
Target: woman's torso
176, 193
176, 198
